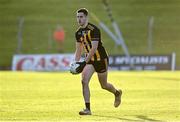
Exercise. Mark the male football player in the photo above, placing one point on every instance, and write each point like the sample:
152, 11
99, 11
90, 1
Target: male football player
88, 36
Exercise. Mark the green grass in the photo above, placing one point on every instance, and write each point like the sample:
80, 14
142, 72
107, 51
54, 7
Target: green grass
42, 16
35, 96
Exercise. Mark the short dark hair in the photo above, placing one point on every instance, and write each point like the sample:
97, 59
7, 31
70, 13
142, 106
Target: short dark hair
83, 10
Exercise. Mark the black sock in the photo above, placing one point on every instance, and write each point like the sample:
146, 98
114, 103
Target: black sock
88, 106
117, 93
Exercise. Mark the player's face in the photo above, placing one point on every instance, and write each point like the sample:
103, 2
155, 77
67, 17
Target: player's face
81, 18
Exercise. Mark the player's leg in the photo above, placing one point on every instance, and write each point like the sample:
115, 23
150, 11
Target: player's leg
109, 87
86, 76
104, 84
102, 71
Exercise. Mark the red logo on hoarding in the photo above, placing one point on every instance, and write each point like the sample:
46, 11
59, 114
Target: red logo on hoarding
21, 62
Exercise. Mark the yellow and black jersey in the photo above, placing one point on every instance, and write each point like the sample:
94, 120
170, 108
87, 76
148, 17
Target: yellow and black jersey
86, 36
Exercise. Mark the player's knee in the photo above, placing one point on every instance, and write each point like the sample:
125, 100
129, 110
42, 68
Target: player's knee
103, 86
84, 82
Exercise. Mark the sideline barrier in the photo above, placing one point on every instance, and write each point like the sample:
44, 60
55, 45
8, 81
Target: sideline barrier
61, 62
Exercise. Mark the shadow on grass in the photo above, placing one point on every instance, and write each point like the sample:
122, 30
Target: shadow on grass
115, 117
146, 118
139, 118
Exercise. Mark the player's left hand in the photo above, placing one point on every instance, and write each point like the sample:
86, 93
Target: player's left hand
81, 67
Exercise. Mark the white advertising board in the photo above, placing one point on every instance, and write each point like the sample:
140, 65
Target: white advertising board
51, 62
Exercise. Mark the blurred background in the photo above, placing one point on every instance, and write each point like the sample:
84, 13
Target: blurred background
29, 27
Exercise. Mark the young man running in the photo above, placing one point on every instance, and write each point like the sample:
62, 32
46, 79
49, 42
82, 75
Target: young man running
88, 36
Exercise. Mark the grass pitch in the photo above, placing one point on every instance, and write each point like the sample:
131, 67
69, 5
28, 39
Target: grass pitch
35, 96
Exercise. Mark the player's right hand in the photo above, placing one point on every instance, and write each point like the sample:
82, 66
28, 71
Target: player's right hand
81, 66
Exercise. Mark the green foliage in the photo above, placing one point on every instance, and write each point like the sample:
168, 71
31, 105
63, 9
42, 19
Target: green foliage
42, 16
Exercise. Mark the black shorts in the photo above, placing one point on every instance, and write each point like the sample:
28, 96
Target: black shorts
100, 66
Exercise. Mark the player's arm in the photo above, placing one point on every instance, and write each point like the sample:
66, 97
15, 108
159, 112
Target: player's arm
92, 51
78, 51
95, 36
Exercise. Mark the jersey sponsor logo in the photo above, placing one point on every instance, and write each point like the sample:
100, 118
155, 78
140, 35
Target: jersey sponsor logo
79, 33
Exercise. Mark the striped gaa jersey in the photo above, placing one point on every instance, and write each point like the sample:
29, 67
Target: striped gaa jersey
86, 36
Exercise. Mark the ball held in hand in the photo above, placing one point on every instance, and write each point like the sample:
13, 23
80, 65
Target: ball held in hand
73, 67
